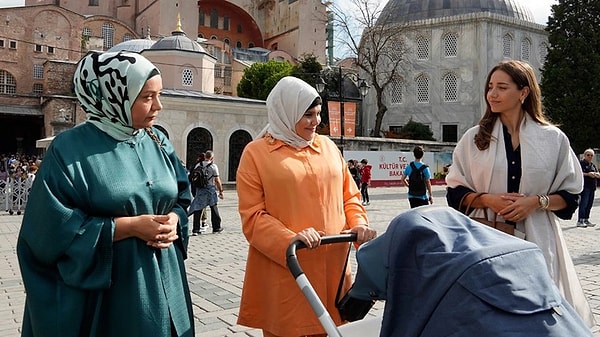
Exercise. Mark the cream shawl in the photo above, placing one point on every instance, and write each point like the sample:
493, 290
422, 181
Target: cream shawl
548, 165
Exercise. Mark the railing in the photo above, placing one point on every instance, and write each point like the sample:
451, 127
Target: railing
14, 193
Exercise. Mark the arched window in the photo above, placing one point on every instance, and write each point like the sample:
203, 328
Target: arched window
525, 49
422, 88
86, 31
450, 45
187, 77
127, 37
397, 91
422, 48
450, 81
507, 45
8, 84
543, 52
108, 34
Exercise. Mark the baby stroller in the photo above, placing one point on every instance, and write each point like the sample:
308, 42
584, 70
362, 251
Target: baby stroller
443, 274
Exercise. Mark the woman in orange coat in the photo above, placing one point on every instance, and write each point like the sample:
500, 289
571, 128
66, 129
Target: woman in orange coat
294, 185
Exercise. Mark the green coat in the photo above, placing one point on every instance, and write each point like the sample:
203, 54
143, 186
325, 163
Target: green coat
78, 282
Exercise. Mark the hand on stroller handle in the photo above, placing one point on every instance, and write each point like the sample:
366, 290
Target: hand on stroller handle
292, 260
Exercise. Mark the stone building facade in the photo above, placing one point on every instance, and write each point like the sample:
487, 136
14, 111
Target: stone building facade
450, 46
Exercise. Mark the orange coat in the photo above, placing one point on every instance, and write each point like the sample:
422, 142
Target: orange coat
281, 191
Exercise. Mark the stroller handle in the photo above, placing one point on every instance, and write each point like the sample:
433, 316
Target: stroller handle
292, 259
305, 286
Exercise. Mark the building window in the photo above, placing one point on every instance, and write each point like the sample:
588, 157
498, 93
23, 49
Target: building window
108, 34
251, 45
93, 3
396, 129
226, 23
397, 94
86, 31
543, 52
227, 76
38, 48
239, 28
525, 49
214, 19
450, 87
507, 43
38, 71
50, 49
38, 89
218, 72
450, 45
187, 77
12, 44
422, 88
422, 48
8, 85
226, 41
127, 37
450, 133
238, 44
201, 19
1, 43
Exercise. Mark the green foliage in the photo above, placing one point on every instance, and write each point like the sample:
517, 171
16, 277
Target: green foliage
570, 75
261, 77
308, 69
416, 131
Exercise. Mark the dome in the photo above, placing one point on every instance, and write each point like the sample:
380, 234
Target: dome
135, 45
399, 11
177, 41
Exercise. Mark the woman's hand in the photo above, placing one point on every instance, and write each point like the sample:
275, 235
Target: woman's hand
167, 231
310, 236
520, 206
158, 231
364, 233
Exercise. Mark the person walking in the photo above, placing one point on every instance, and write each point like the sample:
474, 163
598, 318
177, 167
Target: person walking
208, 194
417, 177
519, 167
586, 198
354, 171
365, 181
294, 184
198, 228
103, 240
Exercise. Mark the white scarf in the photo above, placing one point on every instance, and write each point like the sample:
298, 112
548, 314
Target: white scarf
286, 104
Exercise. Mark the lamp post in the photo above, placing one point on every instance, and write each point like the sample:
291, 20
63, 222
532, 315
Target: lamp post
363, 89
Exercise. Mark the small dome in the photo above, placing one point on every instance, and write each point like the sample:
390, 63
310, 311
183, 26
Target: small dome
135, 45
177, 41
401, 11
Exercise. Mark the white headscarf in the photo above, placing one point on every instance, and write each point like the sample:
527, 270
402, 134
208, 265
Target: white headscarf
286, 104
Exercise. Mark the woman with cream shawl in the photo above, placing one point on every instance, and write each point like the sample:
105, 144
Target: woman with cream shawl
293, 184
104, 235
526, 168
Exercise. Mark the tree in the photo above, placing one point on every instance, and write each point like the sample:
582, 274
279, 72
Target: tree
261, 77
379, 50
309, 70
570, 74
416, 130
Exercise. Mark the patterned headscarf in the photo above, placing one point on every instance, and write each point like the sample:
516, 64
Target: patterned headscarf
286, 104
107, 84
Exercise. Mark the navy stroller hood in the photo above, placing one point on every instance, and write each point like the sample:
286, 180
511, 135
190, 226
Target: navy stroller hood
443, 274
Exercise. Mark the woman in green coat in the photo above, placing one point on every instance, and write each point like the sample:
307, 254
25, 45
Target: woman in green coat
104, 235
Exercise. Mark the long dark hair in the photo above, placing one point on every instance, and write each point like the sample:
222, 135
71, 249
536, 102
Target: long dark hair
522, 75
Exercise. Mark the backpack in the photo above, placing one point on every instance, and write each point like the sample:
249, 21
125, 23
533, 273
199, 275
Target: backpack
416, 185
199, 177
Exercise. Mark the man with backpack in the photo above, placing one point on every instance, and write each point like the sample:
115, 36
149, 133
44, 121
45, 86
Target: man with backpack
205, 182
417, 177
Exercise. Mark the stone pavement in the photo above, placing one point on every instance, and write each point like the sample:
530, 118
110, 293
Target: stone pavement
216, 264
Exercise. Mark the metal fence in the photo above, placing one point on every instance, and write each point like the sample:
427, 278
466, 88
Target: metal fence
14, 193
